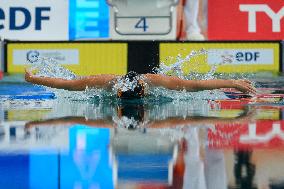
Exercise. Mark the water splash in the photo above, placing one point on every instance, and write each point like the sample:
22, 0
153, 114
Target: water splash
176, 67
125, 84
48, 67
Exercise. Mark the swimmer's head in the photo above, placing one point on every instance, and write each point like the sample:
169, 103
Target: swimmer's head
133, 87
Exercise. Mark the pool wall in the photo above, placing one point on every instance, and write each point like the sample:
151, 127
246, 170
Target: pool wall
119, 57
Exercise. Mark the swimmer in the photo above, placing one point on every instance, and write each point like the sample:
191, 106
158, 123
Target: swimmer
133, 85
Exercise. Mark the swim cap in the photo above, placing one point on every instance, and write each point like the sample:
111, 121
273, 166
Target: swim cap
133, 88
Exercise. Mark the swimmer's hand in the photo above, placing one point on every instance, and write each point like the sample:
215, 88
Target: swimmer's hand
244, 86
28, 75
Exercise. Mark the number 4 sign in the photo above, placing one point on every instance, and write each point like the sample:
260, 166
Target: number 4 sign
141, 24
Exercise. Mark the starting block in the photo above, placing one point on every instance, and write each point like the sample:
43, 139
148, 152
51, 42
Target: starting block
142, 20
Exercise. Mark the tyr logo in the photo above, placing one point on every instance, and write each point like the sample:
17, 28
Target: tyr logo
252, 9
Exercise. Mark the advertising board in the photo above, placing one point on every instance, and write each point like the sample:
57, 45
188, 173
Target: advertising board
82, 58
88, 58
226, 57
245, 20
36, 20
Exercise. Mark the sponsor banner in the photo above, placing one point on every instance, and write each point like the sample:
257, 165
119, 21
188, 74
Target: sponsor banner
62, 56
81, 58
35, 20
241, 56
226, 57
245, 20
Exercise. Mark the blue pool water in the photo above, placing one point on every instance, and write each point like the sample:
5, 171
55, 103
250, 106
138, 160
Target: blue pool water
49, 141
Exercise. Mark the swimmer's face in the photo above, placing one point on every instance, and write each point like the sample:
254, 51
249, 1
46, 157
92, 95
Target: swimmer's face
138, 91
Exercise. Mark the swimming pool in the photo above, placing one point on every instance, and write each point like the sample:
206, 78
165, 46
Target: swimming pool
48, 141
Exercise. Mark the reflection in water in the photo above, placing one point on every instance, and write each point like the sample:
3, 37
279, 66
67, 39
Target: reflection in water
215, 169
194, 166
188, 144
88, 163
244, 170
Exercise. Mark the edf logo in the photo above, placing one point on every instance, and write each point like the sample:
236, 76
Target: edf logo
14, 13
247, 56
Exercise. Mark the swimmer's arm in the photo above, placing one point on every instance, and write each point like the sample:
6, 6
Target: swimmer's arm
244, 86
101, 81
175, 83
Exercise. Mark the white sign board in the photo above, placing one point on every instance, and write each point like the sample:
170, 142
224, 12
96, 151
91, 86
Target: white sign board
240, 56
61, 56
34, 19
